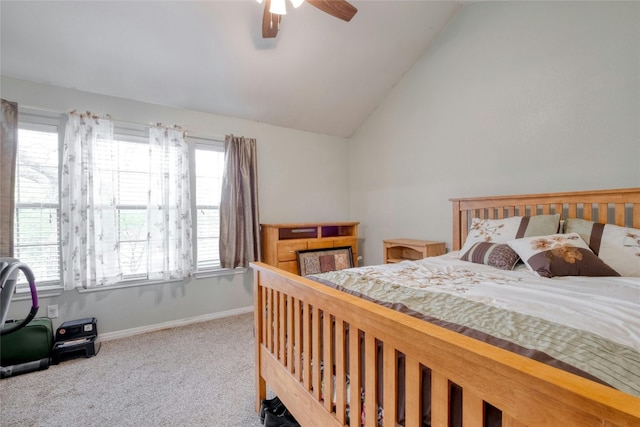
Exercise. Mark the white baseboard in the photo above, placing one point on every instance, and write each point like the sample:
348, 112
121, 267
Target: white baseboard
173, 324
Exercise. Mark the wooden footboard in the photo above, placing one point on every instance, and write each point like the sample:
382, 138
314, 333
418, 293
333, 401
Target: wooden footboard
303, 354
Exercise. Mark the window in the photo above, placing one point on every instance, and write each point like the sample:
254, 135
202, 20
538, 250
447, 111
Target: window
37, 201
209, 166
127, 159
38, 207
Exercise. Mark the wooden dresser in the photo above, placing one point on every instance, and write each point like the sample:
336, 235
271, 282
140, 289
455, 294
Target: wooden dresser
280, 242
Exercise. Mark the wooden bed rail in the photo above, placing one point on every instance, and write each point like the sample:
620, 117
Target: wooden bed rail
620, 207
306, 345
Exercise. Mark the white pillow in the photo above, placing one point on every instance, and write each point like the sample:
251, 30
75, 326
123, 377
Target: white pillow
617, 246
503, 230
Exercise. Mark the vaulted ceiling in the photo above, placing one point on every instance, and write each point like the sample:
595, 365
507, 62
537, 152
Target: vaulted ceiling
319, 74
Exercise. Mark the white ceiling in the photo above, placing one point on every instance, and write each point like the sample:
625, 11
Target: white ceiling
320, 74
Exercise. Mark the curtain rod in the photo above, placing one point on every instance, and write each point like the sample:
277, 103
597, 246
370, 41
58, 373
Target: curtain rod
194, 135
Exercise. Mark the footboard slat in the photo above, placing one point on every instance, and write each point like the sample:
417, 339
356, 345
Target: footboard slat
439, 399
297, 333
390, 381
282, 325
370, 381
270, 319
316, 348
262, 294
341, 372
327, 361
472, 410
355, 381
306, 327
290, 334
413, 392
508, 421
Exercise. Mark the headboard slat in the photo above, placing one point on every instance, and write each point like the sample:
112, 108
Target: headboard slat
603, 213
619, 213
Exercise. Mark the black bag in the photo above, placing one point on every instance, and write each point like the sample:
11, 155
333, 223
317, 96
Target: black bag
32, 342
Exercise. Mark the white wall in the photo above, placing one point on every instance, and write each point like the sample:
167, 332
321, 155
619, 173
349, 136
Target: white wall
301, 176
513, 97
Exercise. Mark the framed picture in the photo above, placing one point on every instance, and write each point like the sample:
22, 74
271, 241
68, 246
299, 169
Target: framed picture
314, 261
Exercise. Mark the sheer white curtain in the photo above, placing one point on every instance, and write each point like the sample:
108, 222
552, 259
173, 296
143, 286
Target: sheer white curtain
96, 202
169, 205
90, 249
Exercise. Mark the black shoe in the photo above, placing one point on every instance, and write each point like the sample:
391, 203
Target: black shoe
283, 420
271, 405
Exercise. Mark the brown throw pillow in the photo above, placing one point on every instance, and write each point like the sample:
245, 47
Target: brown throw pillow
560, 255
499, 255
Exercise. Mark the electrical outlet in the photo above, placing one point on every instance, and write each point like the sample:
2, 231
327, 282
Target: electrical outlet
52, 311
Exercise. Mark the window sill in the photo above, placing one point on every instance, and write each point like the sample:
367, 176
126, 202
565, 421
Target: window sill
220, 272
133, 284
124, 285
24, 294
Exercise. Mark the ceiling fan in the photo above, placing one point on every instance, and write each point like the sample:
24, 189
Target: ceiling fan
274, 9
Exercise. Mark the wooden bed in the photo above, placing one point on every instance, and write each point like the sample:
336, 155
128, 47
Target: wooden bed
299, 323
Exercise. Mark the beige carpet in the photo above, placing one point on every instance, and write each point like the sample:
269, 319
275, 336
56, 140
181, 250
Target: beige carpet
196, 375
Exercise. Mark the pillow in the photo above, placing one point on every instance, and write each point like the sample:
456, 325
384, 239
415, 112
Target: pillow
617, 246
560, 255
499, 255
503, 230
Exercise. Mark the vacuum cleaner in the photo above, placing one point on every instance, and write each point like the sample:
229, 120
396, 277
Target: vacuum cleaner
9, 270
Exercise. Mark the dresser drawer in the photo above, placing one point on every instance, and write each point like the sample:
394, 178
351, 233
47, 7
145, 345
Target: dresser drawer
298, 233
287, 250
345, 241
320, 244
290, 266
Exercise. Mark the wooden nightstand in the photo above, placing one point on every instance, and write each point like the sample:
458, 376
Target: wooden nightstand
396, 250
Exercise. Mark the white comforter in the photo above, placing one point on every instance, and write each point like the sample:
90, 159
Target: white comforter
590, 323
607, 306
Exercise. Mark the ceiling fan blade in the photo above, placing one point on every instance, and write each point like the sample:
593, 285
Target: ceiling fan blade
341, 9
270, 22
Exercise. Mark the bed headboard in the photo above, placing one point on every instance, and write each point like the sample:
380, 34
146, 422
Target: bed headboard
620, 207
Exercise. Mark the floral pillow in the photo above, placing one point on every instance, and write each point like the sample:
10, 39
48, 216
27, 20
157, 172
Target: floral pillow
617, 246
499, 255
560, 255
515, 227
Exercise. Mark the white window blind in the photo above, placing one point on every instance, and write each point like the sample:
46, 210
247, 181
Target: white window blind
37, 202
127, 158
209, 166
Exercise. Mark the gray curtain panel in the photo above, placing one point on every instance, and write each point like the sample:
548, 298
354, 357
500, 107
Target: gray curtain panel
239, 219
8, 150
